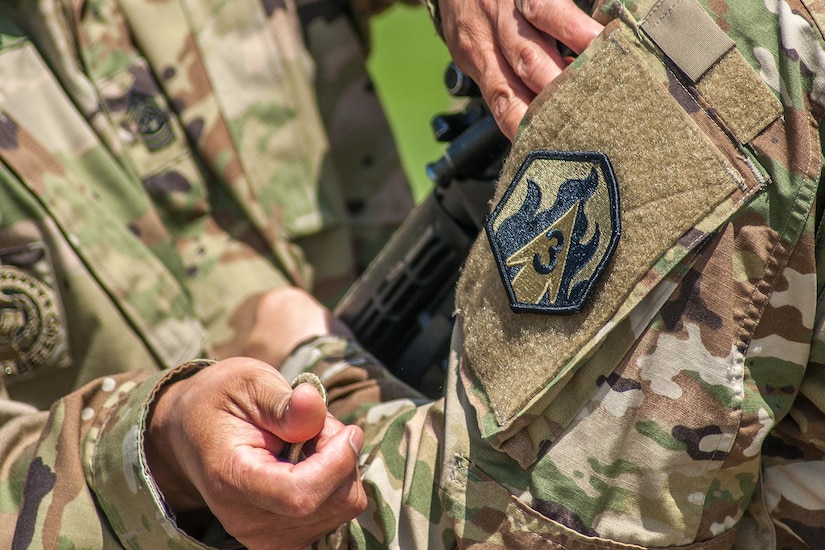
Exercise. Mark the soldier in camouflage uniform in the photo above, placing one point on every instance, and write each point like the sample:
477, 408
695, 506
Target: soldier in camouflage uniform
163, 166
636, 358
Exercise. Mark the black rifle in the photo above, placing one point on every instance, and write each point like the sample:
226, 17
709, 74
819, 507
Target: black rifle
401, 308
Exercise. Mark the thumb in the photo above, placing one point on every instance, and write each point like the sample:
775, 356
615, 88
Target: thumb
295, 416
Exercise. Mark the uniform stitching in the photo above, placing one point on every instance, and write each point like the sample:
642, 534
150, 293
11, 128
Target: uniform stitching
763, 286
664, 15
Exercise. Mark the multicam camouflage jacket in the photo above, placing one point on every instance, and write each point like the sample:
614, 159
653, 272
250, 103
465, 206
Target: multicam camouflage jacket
639, 358
639, 332
162, 164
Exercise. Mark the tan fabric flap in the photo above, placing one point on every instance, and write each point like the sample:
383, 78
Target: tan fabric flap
678, 179
725, 84
694, 43
687, 35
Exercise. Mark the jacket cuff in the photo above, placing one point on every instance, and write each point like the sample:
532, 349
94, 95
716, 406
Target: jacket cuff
118, 473
314, 353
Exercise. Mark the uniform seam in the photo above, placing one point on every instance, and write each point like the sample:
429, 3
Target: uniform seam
662, 16
764, 287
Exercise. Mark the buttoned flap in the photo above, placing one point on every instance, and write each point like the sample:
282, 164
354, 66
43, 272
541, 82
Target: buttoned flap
621, 169
238, 76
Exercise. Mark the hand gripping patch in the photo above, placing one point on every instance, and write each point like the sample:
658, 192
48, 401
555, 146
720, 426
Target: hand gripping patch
555, 229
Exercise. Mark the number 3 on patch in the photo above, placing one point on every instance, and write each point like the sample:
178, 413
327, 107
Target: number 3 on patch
555, 229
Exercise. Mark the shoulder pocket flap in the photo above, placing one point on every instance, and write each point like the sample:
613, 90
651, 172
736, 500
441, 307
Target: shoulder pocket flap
679, 177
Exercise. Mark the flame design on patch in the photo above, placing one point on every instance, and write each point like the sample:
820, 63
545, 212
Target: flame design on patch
554, 230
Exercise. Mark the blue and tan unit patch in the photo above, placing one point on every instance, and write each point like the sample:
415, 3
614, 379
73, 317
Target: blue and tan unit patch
555, 229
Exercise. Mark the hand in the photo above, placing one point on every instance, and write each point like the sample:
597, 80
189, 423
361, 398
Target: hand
513, 54
284, 318
213, 441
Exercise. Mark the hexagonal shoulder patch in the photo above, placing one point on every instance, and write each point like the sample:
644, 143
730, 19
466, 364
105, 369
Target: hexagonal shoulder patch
555, 229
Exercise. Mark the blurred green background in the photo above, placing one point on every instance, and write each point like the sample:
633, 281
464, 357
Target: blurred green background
407, 66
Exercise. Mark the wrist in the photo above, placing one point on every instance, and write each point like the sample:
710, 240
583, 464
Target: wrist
160, 444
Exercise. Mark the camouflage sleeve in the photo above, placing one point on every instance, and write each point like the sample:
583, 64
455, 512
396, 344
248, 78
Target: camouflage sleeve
794, 455
76, 476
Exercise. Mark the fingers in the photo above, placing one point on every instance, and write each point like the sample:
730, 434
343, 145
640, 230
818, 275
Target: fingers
526, 62
266, 500
505, 95
512, 49
531, 46
294, 415
300, 415
257, 496
533, 57
226, 426
327, 480
330, 475
563, 20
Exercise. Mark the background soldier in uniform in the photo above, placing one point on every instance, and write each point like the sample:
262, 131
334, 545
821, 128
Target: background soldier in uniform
164, 167
665, 393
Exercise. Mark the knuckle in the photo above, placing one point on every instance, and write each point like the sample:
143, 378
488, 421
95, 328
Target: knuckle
300, 504
360, 505
528, 8
500, 101
351, 508
568, 30
528, 59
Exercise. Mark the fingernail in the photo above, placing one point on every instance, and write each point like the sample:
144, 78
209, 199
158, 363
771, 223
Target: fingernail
356, 440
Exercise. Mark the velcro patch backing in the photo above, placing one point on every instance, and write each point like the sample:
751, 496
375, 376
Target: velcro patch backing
687, 35
670, 175
726, 83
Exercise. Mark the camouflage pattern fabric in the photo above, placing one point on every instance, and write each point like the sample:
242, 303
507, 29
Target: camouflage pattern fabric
692, 414
162, 165
375, 192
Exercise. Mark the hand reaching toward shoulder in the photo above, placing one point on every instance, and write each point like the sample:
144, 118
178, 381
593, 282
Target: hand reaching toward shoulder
213, 441
511, 48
